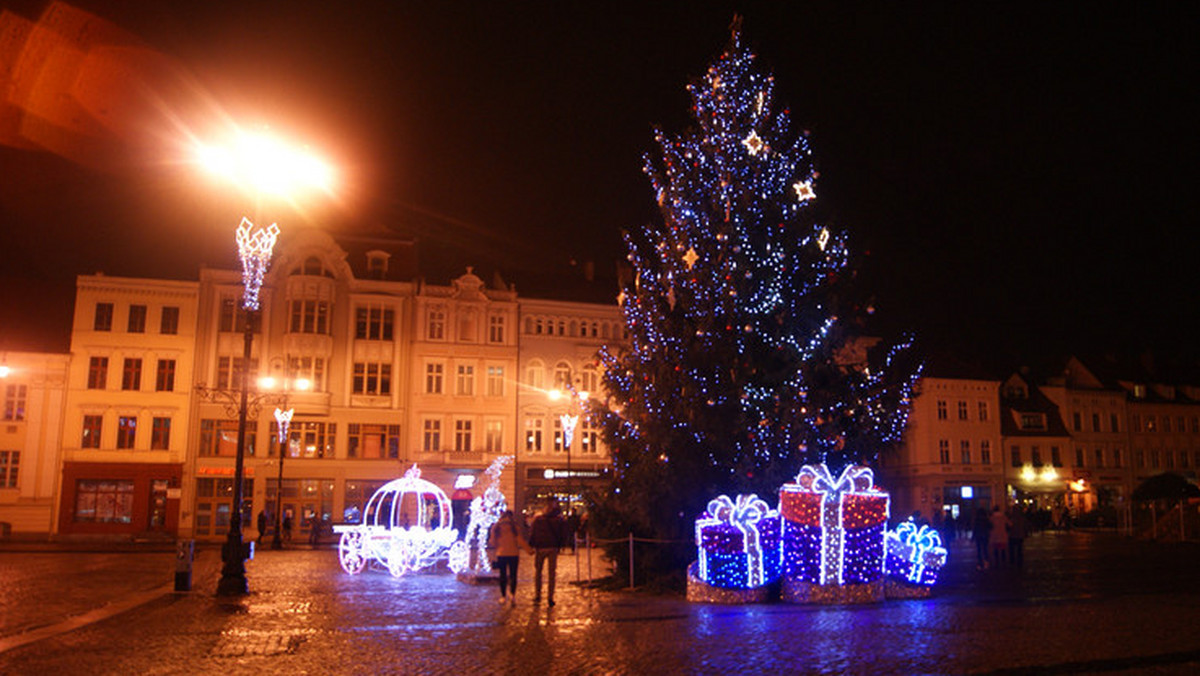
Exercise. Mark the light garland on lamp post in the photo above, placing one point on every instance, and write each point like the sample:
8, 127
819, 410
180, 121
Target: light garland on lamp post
254, 249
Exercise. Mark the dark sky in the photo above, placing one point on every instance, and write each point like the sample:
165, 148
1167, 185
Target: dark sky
1017, 175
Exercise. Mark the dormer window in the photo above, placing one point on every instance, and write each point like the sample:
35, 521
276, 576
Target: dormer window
1032, 421
377, 264
312, 267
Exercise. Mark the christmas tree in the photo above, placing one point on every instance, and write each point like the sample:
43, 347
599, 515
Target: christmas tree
745, 359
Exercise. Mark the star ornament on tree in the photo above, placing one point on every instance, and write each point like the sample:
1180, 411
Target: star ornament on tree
691, 257
804, 190
753, 143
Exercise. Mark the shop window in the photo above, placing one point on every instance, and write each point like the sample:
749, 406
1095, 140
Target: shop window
103, 501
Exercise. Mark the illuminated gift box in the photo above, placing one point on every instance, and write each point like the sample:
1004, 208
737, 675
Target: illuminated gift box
738, 543
914, 553
833, 529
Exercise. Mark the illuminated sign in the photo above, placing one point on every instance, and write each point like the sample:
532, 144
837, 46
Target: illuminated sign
551, 473
967, 492
464, 481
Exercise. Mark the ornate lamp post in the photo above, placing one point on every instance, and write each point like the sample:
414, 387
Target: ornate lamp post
254, 249
283, 419
265, 166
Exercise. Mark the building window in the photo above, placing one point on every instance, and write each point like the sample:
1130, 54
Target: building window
562, 375
1113, 424
493, 436
97, 373
14, 402
310, 316
169, 322
313, 267
942, 410
983, 411
1079, 454
962, 410
985, 452
1015, 453
103, 319
1095, 422
1151, 424
126, 431
1139, 459
465, 382
229, 372
214, 505
1136, 422
1035, 456
164, 380
1033, 421
1195, 424
964, 451
1077, 421
435, 326
589, 379
232, 317
1099, 457
218, 438
433, 378
1183, 459
10, 465
311, 369
91, 431
1169, 459
373, 379
496, 326
588, 437
495, 381
131, 376
1179, 425
309, 439
1166, 424
1116, 458
1055, 457
374, 322
431, 441
944, 451
533, 375
160, 434
462, 436
103, 501
533, 435
1154, 459
137, 319
372, 441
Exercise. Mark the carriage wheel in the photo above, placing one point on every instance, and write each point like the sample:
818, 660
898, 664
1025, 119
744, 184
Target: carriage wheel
351, 552
460, 557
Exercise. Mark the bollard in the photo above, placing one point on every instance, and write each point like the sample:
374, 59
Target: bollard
185, 551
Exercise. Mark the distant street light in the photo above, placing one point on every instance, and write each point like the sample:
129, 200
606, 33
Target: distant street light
569, 421
283, 418
266, 166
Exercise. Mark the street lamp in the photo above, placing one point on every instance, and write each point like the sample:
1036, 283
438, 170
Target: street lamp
265, 165
283, 418
569, 421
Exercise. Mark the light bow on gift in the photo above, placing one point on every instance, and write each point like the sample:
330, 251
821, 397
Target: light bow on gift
921, 546
744, 513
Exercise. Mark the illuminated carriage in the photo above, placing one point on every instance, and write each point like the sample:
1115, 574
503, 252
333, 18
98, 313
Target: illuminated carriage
406, 526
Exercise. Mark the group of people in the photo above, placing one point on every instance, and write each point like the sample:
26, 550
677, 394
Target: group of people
547, 535
999, 537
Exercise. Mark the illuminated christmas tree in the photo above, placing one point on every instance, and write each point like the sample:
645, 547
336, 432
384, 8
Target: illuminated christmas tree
744, 361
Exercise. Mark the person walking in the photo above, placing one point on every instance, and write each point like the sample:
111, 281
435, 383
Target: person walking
1018, 526
287, 526
547, 535
981, 530
507, 540
999, 536
263, 520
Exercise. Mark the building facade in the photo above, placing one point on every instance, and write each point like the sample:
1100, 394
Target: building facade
33, 386
380, 372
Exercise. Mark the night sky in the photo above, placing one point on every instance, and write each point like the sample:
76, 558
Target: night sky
1017, 177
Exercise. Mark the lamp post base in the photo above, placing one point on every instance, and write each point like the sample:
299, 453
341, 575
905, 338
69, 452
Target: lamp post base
233, 573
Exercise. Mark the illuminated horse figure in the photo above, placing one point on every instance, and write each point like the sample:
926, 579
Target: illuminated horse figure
386, 534
485, 511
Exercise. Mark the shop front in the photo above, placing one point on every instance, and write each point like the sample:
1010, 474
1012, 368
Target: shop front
543, 483
120, 500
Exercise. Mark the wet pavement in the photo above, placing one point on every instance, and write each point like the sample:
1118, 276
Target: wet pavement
1084, 603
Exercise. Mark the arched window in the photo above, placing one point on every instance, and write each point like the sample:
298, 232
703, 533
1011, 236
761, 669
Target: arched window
562, 375
534, 374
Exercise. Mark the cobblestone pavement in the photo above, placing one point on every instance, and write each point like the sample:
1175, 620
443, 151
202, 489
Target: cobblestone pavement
1083, 604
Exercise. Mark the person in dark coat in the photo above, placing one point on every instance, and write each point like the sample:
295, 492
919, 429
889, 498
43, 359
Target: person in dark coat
547, 535
981, 533
263, 520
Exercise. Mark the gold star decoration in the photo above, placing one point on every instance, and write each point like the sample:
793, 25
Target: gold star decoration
690, 257
823, 238
804, 190
753, 143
